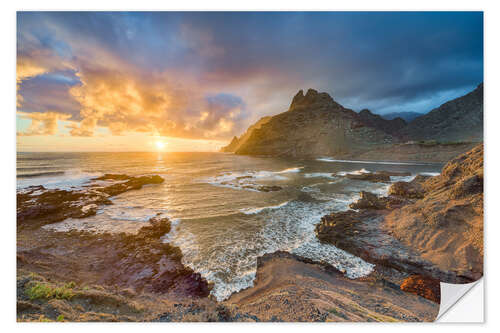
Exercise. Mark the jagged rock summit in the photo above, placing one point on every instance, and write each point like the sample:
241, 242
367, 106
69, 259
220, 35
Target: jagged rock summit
314, 125
311, 99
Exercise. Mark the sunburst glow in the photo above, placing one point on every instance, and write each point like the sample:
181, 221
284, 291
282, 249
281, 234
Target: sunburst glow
160, 145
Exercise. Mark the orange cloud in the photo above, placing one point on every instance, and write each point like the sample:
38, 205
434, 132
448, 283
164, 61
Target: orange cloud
42, 123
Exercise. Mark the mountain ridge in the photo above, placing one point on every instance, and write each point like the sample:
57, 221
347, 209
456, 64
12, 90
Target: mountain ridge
316, 125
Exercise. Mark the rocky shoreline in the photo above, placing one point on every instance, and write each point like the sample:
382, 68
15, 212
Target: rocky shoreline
84, 276
429, 229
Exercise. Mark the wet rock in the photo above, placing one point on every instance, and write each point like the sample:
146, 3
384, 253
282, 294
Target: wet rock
372, 177
37, 206
368, 201
407, 190
266, 188
423, 286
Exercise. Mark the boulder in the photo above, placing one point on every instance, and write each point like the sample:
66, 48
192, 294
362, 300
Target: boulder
407, 190
423, 286
368, 201
372, 177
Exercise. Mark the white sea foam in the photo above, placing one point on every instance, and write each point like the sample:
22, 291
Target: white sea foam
248, 180
355, 172
230, 260
250, 211
70, 179
432, 174
328, 159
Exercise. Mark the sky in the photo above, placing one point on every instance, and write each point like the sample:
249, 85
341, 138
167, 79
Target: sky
190, 81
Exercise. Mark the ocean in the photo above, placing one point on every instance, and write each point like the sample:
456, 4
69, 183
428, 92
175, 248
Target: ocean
222, 220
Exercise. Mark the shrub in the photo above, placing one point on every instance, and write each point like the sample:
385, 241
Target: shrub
43, 290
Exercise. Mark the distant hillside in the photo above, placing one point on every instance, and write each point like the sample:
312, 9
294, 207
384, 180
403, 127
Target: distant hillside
316, 125
388, 126
460, 119
406, 116
237, 142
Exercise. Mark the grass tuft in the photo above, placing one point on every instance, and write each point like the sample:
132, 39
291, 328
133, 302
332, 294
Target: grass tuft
39, 290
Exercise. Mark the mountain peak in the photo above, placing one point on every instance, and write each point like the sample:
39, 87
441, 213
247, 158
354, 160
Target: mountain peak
311, 98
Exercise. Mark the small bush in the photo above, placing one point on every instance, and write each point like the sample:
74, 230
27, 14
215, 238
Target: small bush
60, 318
44, 290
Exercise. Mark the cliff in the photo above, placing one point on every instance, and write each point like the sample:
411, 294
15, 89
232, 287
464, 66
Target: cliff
314, 125
446, 225
236, 143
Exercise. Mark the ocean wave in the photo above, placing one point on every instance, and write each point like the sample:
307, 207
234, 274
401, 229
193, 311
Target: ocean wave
432, 174
247, 180
66, 180
355, 172
290, 228
40, 174
327, 159
251, 211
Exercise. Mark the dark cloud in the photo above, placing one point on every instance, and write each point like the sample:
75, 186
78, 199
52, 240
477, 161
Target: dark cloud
210, 74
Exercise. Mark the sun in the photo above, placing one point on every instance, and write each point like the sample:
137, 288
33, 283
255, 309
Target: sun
160, 145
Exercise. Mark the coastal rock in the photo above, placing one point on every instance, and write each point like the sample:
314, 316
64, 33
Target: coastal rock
368, 201
268, 188
446, 224
37, 206
371, 177
407, 190
140, 262
423, 286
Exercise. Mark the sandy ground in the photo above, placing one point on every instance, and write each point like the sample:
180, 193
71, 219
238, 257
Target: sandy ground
289, 289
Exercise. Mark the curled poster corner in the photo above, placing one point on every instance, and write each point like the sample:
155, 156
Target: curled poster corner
452, 296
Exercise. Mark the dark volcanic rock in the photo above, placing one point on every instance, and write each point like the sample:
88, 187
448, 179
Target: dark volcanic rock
372, 177
423, 286
141, 261
37, 205
368, 201
407, 190
267, 188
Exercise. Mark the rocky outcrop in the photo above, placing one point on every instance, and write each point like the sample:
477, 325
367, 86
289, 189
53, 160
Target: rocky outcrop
460, 119
446, 225
37, 205
431, 226
139, 261
423, 286
290, 288
235, 143
314, 125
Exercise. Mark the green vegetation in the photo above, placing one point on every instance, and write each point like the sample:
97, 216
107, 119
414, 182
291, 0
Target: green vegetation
60, 318
38, 290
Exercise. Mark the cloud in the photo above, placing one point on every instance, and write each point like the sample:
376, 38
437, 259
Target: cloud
42, 123
209, 75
